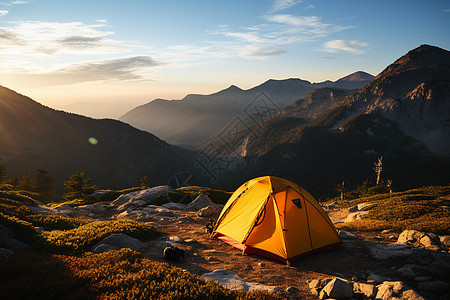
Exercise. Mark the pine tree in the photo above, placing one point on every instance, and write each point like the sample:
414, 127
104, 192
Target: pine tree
3, 176
79, 186
144, 182
43, 185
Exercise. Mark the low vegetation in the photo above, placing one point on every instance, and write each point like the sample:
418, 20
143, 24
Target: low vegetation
84, 237
424, 209
121, 274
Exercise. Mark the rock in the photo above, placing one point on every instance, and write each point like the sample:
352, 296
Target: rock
121, 240
381, 251
407, 272
233, 281
153, 224
261, 265
367, 290
99, 193
410, 237
440, 265
338, 289
175, 239
386, 231
427, 242
331, 206
104, 248
208, 211
212, 259
292, 290
436, 287
377, 237
95, 208
363, 205
5, 252
411, 295
355, 216
346, 235
200, 202
353, 208
376, 278
139, 203
173, 205
13, 244
147, 195
190, 241
384, 292
445, 240
423, 278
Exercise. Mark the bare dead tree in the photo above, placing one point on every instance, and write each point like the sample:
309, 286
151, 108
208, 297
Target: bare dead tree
378, 168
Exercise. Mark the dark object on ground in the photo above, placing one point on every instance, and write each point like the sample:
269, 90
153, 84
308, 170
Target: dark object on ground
210, 226
173, 254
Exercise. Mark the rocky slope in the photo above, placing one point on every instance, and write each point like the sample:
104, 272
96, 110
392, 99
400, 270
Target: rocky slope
414, 91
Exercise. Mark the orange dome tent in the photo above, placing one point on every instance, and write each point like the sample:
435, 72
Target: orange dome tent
276, 218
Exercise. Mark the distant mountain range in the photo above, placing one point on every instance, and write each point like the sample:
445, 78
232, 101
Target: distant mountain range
195, 119
332, 135
37, 137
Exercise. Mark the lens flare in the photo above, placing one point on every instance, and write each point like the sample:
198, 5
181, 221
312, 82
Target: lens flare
93, 141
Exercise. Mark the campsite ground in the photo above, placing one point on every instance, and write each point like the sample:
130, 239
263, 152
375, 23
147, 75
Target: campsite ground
204, 254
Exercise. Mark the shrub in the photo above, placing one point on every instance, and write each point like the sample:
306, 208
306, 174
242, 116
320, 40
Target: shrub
121, 274
84, 237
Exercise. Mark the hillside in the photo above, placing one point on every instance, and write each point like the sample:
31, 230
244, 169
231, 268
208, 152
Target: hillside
114, 153
195, 119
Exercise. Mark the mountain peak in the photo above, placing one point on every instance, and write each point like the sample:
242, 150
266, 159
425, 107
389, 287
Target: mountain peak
424, 55
357, 76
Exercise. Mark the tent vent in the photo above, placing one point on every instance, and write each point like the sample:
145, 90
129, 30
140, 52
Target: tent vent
297, 202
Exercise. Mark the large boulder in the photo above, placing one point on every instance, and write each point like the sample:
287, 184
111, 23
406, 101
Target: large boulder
200, 202
364, 290
411, 295
13, 244
147, 195
410, 237
173, 205
355, 216
337, 289
5, 252
381, 251
208, 211
233, 281
118, 241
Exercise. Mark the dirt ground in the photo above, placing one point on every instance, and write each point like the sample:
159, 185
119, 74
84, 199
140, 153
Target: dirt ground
204, 254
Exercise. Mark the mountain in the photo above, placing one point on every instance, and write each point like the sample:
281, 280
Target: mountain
414, 92
99, 109
37, 137
195, 119
333, 135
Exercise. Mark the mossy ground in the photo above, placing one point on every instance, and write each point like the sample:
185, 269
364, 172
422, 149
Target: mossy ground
424, 209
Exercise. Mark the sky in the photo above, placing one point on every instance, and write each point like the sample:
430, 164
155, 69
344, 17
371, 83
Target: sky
113, 55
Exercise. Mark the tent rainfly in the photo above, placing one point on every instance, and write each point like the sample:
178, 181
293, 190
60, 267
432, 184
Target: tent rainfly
274, 217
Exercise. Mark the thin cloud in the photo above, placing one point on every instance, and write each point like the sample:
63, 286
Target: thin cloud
447, 10
337, 46
280, 5
69, 37
269, 39
121, 69
3, 13
262, 52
